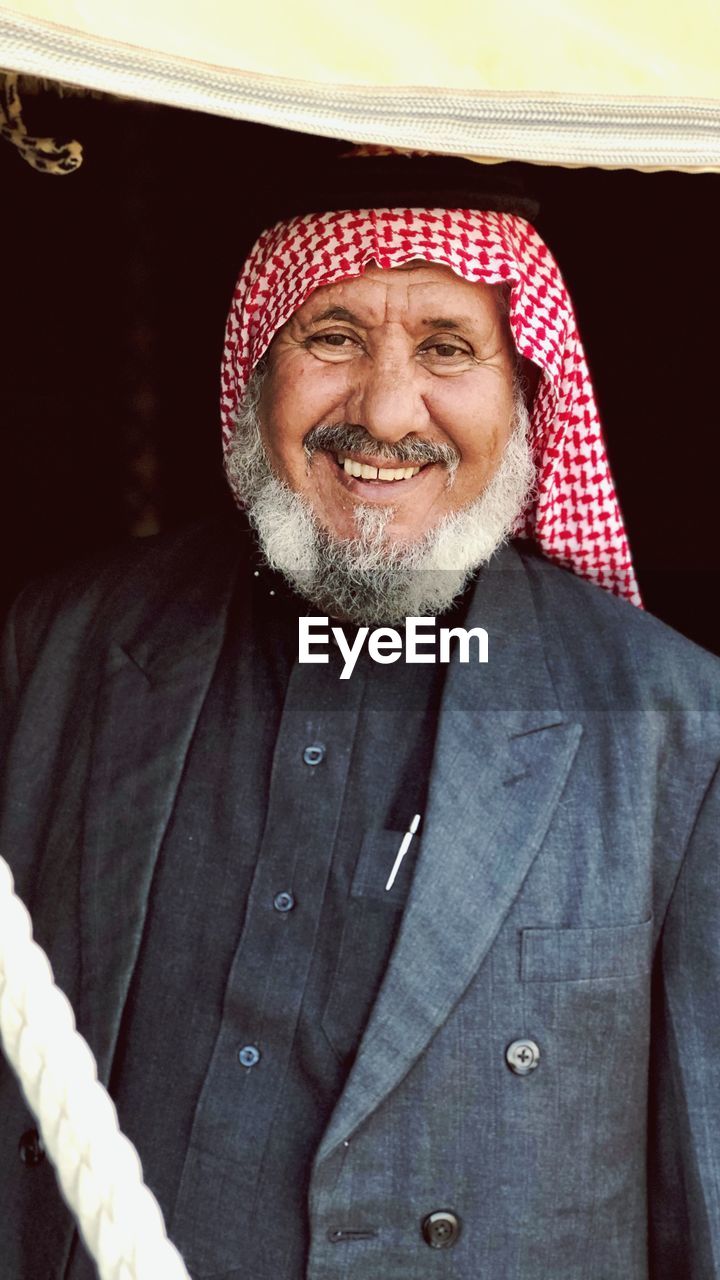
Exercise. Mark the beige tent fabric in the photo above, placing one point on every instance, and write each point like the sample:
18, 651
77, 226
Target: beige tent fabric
563, 81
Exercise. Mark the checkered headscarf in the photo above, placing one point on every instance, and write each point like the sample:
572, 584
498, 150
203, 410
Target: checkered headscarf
575, 518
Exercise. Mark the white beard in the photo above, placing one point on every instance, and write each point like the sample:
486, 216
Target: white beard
370, 579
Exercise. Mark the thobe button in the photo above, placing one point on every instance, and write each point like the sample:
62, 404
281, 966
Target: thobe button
283, 902
522, 1056
314, 754
249, 1056
441, 1229
31, 1149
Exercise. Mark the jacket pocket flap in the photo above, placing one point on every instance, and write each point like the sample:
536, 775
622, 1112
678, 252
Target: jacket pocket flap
567, 955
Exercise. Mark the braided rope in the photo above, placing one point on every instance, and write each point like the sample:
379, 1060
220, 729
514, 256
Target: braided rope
98, 1168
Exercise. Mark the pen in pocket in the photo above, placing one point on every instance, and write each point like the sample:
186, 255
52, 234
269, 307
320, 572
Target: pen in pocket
403, 850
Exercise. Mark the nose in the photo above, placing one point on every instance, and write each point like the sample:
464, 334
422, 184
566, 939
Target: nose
387, 400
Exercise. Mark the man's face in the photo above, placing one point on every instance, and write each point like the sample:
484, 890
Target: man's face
409, 357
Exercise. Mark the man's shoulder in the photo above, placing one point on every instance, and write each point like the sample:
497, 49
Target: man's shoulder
129, 584
609, 638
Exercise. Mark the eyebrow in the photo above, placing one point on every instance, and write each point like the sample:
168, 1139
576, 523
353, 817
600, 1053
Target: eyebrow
448, 322
432, 322
336, 313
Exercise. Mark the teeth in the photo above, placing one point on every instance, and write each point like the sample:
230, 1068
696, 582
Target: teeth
356, 468
363, 470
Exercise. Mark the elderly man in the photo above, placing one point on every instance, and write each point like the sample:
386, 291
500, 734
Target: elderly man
414, 971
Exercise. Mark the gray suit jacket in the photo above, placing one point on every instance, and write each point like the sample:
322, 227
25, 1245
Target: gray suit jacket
567, 891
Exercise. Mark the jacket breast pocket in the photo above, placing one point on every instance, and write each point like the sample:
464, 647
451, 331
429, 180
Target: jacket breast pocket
587, 953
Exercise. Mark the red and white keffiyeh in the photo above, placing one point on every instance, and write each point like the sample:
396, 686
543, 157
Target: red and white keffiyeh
575, 519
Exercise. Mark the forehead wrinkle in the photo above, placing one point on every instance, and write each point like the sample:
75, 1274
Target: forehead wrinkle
392, 301
312, 312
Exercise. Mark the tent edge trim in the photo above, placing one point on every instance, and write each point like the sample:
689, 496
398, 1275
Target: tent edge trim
642, 133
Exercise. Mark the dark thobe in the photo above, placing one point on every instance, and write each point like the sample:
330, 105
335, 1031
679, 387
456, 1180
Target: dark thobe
269, 930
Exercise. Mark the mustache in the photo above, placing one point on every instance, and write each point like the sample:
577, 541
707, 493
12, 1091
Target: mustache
349, 437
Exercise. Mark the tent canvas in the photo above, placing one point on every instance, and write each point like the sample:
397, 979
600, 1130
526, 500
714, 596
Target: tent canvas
568, 82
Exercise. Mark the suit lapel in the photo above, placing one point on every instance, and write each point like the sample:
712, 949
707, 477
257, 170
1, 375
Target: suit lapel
503, 752
155, 682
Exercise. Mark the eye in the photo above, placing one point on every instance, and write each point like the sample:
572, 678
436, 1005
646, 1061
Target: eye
445, 351
332, 339
333, 345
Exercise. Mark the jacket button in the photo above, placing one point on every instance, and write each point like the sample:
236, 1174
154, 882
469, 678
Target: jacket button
522, 1056
283, 902
31, 1149
314, 754
441, 1229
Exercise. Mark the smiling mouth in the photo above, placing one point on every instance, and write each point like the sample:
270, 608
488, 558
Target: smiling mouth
365, 471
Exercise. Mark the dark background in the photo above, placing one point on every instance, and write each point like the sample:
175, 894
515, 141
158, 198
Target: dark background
116, 282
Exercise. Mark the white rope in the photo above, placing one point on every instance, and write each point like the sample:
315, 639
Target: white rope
98, 1168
